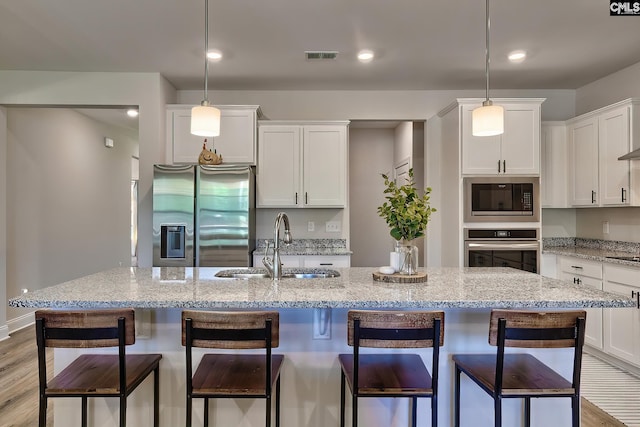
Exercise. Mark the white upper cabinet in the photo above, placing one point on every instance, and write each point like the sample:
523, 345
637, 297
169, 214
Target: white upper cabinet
236, 143
553, 165
515, 152
583, 158
302, 164
596, 140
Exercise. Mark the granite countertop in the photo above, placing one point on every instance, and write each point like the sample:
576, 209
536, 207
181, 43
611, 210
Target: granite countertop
175, 287
330, 247
592, 249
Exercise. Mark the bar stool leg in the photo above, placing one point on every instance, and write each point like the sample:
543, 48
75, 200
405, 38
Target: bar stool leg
497, 405
414, 410
278, 402
456, 402
42, 418
123, 410
84, 411
189, 409
206, 412
156, 397
575, 411
354, 415
527, 412
267, 411
434, 411
342, 393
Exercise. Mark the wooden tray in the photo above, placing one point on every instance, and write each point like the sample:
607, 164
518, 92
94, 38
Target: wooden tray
419, 277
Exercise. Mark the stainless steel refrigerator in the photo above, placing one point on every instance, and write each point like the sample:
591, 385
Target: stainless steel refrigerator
203, 216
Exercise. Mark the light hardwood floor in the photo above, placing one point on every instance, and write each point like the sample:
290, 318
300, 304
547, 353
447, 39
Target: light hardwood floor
19, 386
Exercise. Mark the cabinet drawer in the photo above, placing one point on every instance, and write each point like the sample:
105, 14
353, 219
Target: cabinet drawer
627, 275
581, 267
327, 261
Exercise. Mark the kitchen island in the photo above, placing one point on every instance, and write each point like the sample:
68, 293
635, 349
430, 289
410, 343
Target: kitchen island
313, 332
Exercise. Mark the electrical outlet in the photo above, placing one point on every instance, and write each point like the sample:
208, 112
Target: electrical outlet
311, 226
322, 324
332, 226
605, 227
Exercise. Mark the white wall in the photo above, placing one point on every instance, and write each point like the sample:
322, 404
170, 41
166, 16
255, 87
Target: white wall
403, 145
608, 90
150, 91
370, 155
624, 223
4, 330
558, 222
68, 197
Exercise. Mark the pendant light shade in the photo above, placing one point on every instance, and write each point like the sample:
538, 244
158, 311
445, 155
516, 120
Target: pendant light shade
205, 119
487, 120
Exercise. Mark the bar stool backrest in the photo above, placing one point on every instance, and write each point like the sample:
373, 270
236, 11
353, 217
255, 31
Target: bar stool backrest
230, 330
395, 329
85, 328
531, 329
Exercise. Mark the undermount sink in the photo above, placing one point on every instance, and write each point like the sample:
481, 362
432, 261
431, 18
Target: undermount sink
287, 273
626, 258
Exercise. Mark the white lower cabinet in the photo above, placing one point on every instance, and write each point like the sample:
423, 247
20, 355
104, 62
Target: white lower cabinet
587, 273
321, 261
621, 325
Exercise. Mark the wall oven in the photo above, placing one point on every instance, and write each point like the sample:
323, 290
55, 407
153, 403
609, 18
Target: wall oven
501, 199
517, 248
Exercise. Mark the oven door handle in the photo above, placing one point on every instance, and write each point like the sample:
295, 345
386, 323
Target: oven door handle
491, 246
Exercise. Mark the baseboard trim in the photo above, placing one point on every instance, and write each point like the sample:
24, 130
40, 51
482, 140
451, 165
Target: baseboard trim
21, 322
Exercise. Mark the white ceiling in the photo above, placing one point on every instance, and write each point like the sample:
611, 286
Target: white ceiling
419, 44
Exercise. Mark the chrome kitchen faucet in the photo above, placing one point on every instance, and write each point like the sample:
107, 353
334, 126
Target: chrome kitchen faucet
273, 264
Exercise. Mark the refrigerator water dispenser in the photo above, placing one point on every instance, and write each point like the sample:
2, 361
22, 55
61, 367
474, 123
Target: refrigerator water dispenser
172, 241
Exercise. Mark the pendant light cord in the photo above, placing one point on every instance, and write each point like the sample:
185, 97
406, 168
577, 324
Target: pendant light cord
487, 49
206, 50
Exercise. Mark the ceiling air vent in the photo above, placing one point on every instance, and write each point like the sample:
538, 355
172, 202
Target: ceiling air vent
320, 55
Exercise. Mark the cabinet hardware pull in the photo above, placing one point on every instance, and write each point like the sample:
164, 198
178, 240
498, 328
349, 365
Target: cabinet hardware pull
296, 197
326, 263
636, 295
498, 166
504, 166
593, 196
623, 198
576, 266
306, 198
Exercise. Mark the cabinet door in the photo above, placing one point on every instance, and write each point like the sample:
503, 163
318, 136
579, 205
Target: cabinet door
237, 140
621, 326
520, 147
278, 172
325, 165
553, 165
583, 160
614, 141
183, 146
594, 329
480, 154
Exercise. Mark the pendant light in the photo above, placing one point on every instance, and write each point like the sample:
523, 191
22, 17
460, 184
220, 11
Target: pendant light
205, 118
487, 120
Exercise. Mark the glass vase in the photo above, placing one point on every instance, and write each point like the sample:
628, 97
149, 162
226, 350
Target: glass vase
408, 257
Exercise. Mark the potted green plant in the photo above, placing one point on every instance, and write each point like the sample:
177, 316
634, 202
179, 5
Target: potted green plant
407, 213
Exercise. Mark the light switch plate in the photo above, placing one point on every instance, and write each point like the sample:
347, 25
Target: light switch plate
311, 226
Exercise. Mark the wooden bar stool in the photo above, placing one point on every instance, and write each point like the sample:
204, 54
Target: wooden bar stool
232, 375
94, 375
521, 375
391, 374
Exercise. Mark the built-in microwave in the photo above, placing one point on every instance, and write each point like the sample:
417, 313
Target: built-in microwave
501, 199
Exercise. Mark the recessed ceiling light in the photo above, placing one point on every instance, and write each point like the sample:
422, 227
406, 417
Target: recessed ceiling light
214, 55
132, 112
365, 56
517, 56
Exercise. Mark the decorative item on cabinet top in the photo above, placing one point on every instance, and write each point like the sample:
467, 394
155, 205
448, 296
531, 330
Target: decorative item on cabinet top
208, 157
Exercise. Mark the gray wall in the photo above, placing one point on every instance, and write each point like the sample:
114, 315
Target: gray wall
370, 154
68, 197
